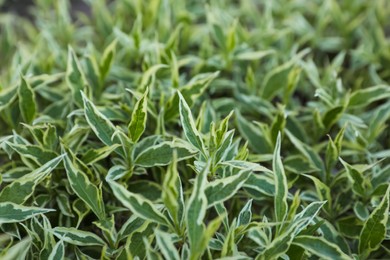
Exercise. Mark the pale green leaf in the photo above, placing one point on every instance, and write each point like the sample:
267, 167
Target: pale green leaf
27, 104
138, 118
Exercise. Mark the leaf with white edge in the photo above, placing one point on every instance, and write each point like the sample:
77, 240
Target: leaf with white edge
107, 60
364, 97
282, 242
139, 205
14, 213
190, 92
17, 251
281, 188
243, 165
58, 251
83, 187
22, 188
7, 96
171, 192
75, 78
138, 118
161, 154
314, 159
100, 125
196, 211
320, 247
223, 189
260, 184
33, 152
188, 124
77, 237
245, 216
253, 55
94, 155
27, 105
374, 229
356, 177
166, 245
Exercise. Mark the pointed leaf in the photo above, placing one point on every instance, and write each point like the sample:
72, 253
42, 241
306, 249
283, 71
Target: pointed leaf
138, 118
27, 103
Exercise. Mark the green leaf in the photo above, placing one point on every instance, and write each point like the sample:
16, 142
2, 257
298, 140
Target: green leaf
161, 154
188, 124
245, 216
27, 105
320, 247
77, 237
256, 138
166, 245
7, 96
14, 213
280, 183
172, 192
23, 188
253, 55
356, 178
364, 97
196, 211
138, 118
75, 78
107, 60
100, 125
83, 187
138, 204
308, 152
58, 251
34, 152
223, 189
374, 229
190, 92
282, 242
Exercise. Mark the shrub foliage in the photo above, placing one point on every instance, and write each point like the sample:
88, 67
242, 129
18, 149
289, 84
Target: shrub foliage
168, 129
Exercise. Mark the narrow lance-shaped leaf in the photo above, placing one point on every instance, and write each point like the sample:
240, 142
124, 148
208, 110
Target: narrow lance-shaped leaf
58, 251
27, 103
320, 247
83, 187
33, 152
14, 213
245, 216
138, 118
223, 189
374, 229
107, 60
138, 204
280, 183
75, 77
100, 125
166, 245
196, 211
22, 188
363, 97
170, 192
161, 154
188, 124
77, 237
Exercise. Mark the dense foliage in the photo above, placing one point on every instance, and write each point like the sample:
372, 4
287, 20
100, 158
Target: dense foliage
167, 129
